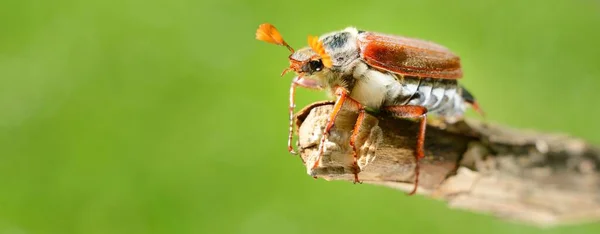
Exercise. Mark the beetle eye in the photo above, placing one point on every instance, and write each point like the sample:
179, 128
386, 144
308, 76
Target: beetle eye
315, 65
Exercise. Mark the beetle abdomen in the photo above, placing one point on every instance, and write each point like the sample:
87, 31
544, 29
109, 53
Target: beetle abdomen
374, 89
439, 96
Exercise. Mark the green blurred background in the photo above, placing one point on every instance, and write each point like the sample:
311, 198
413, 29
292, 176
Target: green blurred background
131, 116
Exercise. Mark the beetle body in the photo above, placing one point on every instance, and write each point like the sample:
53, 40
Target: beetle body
375, 87
406, 77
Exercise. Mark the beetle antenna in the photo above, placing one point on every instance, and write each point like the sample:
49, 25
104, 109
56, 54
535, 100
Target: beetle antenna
268, 33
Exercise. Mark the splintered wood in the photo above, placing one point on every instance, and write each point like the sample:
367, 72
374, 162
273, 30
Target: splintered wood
524, 176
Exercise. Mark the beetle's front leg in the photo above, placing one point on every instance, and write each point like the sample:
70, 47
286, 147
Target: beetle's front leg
341, 94
302, 82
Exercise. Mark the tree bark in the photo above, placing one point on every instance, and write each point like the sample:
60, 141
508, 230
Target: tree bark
526, 176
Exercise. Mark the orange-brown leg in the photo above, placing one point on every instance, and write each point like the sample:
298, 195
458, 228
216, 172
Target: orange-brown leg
343, 99
342, 95
419, 112
306, 83
355, 131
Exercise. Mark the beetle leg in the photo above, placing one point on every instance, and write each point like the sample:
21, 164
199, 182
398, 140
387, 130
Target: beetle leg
342, 94
306, 83
355, 131
344, 99
420, 112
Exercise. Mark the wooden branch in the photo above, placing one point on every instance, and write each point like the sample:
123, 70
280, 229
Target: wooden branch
525, 176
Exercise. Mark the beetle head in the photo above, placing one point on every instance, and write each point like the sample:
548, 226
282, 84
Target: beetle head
304, 61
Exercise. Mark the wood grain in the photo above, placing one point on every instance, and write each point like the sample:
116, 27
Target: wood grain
544, 179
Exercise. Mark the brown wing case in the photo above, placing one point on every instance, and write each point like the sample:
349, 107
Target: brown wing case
408, 56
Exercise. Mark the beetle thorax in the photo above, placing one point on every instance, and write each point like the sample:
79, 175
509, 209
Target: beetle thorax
343, 48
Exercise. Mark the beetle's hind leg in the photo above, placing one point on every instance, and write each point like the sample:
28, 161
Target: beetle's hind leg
420, 112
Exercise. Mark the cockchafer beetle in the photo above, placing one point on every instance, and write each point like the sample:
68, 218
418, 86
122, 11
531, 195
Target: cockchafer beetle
376, 72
